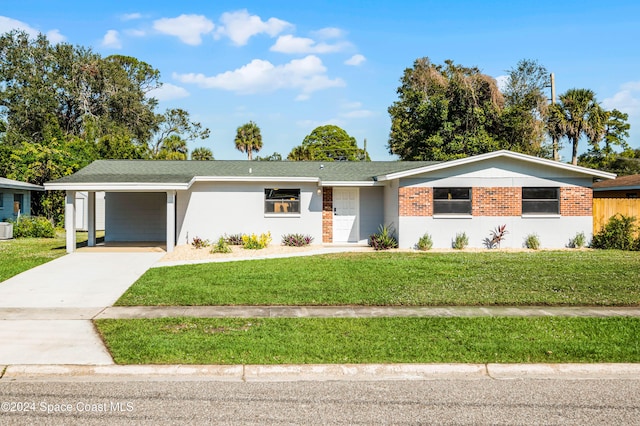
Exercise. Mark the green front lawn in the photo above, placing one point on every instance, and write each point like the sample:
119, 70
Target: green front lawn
568, 278
371, 340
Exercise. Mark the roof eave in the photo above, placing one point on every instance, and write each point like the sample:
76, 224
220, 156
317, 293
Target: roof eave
116, 186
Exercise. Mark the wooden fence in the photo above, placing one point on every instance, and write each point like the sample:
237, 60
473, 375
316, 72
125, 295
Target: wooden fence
604, 208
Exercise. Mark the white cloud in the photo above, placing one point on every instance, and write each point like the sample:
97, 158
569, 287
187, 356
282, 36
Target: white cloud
501, 81
112, 40
131, 16
329, 33
8, 24
168, 92
360, 113
355, 60
55, 37
135, 33
188, 28
259, 76
290, 44
239, 26
627, 99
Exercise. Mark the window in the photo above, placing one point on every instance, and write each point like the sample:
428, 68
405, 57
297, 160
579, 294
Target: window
18, 202
1, 200
540, 201
452, 201
281, 201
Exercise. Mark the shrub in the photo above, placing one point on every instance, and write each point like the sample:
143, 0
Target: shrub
425, 243
461, 241
496, 237
383, 239
199, 243
221, 246
234, 239
296, 240
578, 241
32, 227
255, 242
617, 233
532, 242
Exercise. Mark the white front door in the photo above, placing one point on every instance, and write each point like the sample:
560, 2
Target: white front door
345, 215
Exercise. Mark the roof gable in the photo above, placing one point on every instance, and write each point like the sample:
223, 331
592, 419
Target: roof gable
503, 154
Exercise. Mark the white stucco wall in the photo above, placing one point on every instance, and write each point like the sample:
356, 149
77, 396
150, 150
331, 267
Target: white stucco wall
553, 231
134, 216
371, 211
211, 209
391, 205
82, 211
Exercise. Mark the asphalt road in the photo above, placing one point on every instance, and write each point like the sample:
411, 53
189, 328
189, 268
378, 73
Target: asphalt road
459, 402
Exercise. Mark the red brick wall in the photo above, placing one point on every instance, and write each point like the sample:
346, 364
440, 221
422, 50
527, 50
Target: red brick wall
415, 201
576, 201
327, 215
498, 201
495, 201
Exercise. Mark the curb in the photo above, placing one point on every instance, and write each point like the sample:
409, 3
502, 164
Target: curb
318, 372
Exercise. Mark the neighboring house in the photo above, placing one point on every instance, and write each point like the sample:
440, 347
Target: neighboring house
616, 196
338, 202
621, 187
15, 198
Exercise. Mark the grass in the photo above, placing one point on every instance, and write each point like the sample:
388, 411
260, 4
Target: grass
21, 254
561, 278
371, 340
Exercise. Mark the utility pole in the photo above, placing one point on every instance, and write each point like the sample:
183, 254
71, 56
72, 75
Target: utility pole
554, 138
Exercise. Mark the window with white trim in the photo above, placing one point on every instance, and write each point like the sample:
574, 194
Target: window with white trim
282, 201
540, 200
452, 201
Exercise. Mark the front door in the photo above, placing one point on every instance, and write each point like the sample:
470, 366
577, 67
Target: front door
345, 215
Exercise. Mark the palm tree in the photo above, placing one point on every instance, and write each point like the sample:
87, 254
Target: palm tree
202, 154
173, 148
249, 139
581, 115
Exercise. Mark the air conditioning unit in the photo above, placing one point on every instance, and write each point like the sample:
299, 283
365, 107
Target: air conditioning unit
6, 231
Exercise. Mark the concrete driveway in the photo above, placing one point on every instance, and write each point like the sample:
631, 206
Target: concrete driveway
45, 313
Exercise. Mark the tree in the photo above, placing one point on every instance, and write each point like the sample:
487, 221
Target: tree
525, 108
606, 157
444, 112
273, 157
579, 114
175, 123
173, 148
202, 154
328, 143
248, 139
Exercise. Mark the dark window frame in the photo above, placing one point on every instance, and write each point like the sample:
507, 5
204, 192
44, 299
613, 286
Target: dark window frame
452, 201
540, 200
282, 201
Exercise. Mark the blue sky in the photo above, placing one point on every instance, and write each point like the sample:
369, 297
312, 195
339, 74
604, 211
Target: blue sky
293, 66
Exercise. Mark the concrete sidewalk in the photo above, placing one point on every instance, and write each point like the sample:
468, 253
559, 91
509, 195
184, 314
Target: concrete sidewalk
125, 312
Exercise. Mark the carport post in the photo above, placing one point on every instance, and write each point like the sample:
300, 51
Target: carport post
171, 220
91, 220
70, 220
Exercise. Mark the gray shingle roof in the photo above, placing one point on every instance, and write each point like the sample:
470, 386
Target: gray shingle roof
15, 184
149, 171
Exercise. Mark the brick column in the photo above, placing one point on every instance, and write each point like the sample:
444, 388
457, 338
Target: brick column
327, 215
